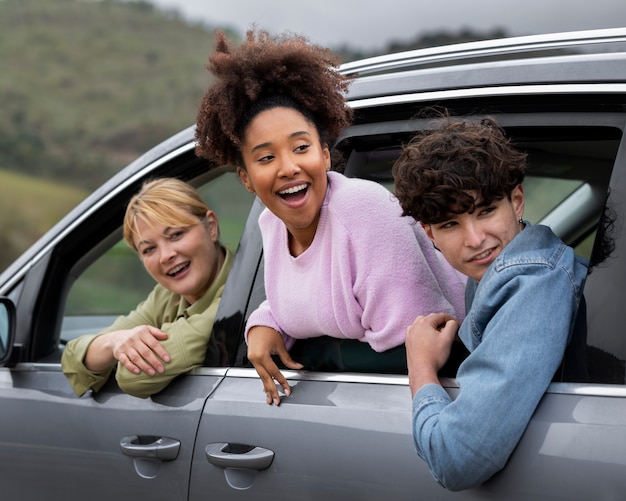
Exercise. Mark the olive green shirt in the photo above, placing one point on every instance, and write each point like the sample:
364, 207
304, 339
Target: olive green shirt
188, 327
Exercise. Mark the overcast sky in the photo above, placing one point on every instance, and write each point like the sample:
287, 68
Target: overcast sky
370, 25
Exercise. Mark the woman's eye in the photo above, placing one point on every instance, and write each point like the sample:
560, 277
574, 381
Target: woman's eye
265, 159
177, 235
302, 147
147, 251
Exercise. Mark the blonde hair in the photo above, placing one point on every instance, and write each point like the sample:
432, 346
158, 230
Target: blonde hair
166, 201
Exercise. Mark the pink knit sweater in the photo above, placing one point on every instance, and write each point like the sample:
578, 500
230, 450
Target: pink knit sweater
367, 274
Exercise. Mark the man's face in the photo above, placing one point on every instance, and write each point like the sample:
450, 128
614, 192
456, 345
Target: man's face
470, 242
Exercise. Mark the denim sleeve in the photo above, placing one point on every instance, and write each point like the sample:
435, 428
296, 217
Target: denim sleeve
428, 402
519, 324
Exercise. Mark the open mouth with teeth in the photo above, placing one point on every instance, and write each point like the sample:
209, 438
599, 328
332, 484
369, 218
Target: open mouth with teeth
485, 254
294, 193
179, 269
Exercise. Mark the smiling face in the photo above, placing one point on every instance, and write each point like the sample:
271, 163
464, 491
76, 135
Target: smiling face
470, 242
286, 165
184, 260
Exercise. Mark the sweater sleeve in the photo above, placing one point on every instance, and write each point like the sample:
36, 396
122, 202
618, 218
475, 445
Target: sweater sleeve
72, 360
187, 343
263, 316
80, 378
397, 275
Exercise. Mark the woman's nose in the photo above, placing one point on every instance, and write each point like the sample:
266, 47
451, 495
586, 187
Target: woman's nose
288, 167
167, 253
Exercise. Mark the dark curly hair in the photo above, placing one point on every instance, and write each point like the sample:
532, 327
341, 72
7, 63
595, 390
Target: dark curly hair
438, 168
265, 72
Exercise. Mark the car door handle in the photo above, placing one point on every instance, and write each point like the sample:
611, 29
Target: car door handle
249, 457
150, 447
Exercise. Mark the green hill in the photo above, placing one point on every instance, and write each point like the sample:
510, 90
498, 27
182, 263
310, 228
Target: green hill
85, 88
30, 206
91, 85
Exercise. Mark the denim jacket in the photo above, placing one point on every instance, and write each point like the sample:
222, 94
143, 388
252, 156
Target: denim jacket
518, 324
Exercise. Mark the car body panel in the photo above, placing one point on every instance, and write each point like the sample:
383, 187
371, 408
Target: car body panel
329, 439
342, 432
53, 442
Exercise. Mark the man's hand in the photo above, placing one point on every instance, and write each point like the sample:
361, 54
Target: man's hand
263, 342
428, 343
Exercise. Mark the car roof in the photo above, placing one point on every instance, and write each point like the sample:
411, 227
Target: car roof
574, 58
504, 48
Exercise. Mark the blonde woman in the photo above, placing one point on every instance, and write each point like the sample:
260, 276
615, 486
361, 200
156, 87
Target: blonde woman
176, 237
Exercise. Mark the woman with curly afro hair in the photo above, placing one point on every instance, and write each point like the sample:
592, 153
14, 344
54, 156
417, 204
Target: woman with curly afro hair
340, 260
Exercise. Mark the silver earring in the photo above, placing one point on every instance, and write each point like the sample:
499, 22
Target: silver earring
521, 221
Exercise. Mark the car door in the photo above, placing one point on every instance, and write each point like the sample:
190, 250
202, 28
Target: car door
337, 437
106, 445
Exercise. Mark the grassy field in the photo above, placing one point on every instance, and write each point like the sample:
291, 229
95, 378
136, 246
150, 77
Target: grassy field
28, 208
88, 86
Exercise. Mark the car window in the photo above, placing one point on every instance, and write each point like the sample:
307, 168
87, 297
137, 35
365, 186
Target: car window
565, 185
544, 195
568, 176
117, 281
603, 356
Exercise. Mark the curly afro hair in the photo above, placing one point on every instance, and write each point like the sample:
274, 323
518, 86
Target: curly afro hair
262, 73
438, 169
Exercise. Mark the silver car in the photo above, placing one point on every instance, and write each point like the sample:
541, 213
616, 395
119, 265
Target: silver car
339, 436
